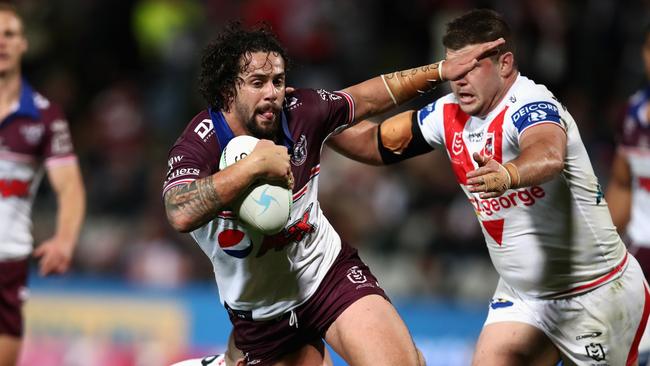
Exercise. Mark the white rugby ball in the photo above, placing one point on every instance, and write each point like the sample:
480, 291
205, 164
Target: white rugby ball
263, 207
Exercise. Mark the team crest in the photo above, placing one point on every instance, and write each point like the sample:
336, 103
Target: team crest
299, 155
32, 133
488, 149
457, 144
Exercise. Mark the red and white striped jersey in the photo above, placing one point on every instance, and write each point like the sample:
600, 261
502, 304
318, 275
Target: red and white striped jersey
34, 135
550, 240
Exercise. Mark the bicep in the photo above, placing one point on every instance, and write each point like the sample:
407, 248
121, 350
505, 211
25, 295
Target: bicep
545, 140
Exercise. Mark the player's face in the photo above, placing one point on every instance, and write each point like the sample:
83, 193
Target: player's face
481, 89
12, 42
260, 93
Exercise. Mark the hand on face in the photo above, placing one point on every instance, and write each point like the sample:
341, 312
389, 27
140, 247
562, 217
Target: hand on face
491, 179
273, 163
459, 63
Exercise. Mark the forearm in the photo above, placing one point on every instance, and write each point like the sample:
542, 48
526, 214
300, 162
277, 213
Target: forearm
358, 142
191, 205
71, 203
536, 165
384, 92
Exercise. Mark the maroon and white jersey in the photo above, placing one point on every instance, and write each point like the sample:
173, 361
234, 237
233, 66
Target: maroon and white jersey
550, 240
634, 146
34, 135
261, 277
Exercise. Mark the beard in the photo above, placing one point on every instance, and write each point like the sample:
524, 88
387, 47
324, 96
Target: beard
268, 131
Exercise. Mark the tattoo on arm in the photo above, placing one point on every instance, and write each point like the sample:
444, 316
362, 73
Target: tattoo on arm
197, 201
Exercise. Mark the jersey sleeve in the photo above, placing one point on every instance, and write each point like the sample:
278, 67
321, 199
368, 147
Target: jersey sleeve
195, 155
534, 111
430, 121
335, 109
57, 145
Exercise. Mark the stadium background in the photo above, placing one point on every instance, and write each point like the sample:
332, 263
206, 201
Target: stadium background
125, 73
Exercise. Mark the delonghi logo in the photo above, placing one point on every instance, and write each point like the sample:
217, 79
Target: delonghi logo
265, 201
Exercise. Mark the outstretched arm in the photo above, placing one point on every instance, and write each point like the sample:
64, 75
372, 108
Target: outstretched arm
381, 93
396, 139
619, 192
191, 205
543, 149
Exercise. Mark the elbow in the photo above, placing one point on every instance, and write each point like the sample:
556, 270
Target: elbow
180, 224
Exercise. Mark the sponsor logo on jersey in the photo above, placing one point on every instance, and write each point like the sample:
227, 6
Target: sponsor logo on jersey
184, 171
204, 129
294, 233
173, 160
235, 243
32, 133
292, 103
14, 188
595, 351
475, 136
299, 154
525, 197
499, 303
61, 141
535, 112
589, 335
424, 112
327, 96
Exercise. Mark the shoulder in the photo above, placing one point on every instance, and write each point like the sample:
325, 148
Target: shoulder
529, 103
435, 109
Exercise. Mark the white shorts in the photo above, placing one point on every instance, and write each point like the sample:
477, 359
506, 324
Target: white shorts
601, 327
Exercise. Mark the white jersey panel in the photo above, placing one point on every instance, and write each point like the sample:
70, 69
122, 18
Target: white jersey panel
285, 276
550, 240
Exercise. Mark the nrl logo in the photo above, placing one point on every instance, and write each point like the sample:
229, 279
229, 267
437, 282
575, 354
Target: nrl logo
457, 144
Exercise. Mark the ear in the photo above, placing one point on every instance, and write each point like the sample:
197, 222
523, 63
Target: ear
506, 64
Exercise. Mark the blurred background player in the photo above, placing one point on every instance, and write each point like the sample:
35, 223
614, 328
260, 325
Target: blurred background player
628, 191
568, 290
287, 292
33, 135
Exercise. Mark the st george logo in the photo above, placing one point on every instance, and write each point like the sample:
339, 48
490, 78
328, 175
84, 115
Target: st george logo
265, 201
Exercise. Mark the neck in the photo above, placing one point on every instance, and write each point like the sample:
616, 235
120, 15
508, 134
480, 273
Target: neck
507, 84
237, 126
9, 92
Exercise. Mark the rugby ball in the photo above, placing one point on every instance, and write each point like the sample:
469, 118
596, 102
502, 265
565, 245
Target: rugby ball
263, 207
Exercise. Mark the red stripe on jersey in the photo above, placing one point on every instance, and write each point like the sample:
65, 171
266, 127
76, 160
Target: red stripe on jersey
595, 283
633, 356
495, 229
461, 161
644, 182
495, 130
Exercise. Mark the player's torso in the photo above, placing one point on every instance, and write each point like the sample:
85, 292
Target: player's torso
542, 239
264, 276
636, 149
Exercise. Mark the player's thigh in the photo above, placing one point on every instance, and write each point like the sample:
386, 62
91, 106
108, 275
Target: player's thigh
371, 332
514, 344
312, 354
9, 350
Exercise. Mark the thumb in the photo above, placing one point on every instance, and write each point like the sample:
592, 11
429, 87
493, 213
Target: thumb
38, 252
480, 159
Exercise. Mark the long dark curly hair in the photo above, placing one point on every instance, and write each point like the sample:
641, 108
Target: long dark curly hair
223, 60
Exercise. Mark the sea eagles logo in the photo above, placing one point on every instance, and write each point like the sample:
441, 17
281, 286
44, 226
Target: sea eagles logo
32, 133
299, 154
457, 144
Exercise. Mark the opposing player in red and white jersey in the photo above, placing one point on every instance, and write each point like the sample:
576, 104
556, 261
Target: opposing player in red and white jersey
287, 292
628, 192
33, 134
568, 288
